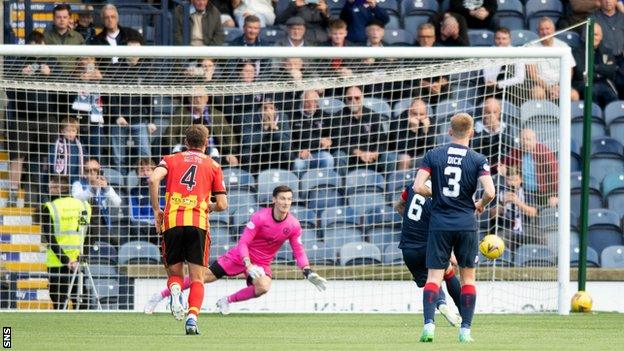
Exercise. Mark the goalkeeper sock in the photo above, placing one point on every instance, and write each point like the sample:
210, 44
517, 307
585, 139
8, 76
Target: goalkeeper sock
453, 287
186, 283
196, 297
243, 294
174, 279
430, 298
467, 307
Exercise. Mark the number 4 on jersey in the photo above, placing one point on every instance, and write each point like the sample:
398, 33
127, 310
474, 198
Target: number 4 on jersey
188, 178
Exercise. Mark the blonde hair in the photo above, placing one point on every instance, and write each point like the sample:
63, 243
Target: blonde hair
461, 125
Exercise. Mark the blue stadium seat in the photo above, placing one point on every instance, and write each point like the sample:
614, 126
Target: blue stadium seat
534, 255
138, 252
415, 12
285, 254
510, 14
113, 177
221, 218
382, 236
271, 35
548, 218
612, 257
613, 192
538, 109
240, 199
321, 198
270, 178
103, 271
108, 292
336, 237
605, 229
595, 195
319, 178
220, 236
240, 218
319, 253
403, 104
163, 105
577, 112
380, 106
238, 179
102, 252
307, 218
392, 254
231, 34
448, 108
393, 10
607, 157
381, 216
140, 208
542, 117
505, 260
536, 9
364, 180
357, 253
575, 160
522, 37
331, 106
398, 180
341, 216
398, 37
614, 119
481, 37
573, 39
362, 202
218, 250
593, 260
282, 5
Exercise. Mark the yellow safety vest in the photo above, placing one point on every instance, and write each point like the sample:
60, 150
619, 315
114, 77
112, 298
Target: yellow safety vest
70, 218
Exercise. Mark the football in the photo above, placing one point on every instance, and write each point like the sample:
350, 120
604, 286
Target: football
581, 302
492, 246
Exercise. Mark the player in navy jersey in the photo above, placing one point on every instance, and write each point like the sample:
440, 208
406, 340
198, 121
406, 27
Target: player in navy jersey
415, 210
454, 170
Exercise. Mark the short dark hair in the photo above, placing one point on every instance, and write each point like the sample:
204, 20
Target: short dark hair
376, 22
196, 136
281, 189
145, 161
336, 24
35, 37
135, 37
61, 7
503, 30
251, 19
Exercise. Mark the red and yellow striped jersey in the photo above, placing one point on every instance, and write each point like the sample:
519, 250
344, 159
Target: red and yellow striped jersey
191, 178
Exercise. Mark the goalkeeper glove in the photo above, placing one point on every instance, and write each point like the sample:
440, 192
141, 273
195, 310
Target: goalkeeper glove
319, 282
255, 272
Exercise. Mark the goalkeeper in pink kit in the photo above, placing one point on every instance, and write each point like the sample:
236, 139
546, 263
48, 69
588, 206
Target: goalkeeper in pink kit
263, 236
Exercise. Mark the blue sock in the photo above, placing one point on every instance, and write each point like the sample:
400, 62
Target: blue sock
453, 287
430, 298
467, 307
441, 298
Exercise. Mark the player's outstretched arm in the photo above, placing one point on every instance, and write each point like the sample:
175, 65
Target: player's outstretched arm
420, 186
319, 282
489, 192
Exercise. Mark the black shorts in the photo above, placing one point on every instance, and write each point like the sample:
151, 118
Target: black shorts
219, 272
189, 244
415, 260
465, 244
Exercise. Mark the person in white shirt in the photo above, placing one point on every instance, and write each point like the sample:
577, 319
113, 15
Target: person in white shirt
498, 78
263, 9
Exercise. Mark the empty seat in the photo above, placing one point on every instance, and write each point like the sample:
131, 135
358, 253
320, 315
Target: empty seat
335, 238
595, 196
220, 236
398, 37
103, 271
331, 106
416, 12
319, 178
319, 253
607, 157
270, 178
398, 180
240, 218
536, 9
613, 191
573, 39
231, 34
238, 179
505, 260
510, 14
378, 105
271, 35
393, 10
285, 254
593, 260
102, 252
382, 236
307, 218
381, 216
481, 37
614, 119
240, 199
538, 109
113, 177
364, 201
319, 199
341, 216
448, 108
220, 219
355, 253
577, 113
604, 229
534, 255
522, 37
107, 290
364, 180
392, 254
138, 252
612, 257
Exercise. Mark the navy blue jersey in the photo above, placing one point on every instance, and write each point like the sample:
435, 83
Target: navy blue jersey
455, 172
415, 220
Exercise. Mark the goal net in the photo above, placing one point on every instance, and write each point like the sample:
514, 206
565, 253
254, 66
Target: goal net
345, 129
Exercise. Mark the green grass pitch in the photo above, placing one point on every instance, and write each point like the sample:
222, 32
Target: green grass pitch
134, 331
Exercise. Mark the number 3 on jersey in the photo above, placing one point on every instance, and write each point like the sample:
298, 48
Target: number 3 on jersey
188, 178
415, 210
454, 174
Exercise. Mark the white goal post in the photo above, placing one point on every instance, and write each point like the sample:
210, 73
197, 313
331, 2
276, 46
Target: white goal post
388, 77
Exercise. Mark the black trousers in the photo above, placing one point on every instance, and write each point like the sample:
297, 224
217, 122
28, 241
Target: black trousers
59, 278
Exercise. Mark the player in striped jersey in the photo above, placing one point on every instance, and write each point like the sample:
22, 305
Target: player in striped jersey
191, 178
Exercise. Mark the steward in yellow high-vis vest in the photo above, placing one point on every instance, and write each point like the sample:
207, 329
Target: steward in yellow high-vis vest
69, 218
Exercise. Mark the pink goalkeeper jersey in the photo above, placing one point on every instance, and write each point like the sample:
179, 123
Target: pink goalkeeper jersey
263, 236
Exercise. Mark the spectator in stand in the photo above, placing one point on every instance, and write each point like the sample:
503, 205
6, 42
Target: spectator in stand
545, 75
67, 154
226, 8
201, 71
295, 34
497, 78
266, 139
453, 30
222, 144
539, 168
85, 25
113, 34
94, 189
234, 107
577, 11
357, 14
314, 13
140, 205
362, 137
375, 31
426, 36
60, 32
263, 9
620, 6
337, 38
412, 134
605, 69
251, 33
89, 103
205, 22
479, 14
612, 23
311, 135
492, 137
